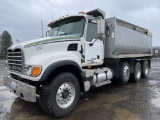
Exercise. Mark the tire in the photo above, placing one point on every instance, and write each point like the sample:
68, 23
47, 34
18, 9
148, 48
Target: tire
124, 73
38, 102
59, 97
137, 73
145, 69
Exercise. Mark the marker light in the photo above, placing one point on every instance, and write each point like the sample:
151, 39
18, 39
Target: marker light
82, 12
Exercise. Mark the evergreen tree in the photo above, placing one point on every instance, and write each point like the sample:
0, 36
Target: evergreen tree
6, 41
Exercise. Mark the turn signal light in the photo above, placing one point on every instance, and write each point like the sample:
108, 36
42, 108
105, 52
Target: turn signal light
36, 70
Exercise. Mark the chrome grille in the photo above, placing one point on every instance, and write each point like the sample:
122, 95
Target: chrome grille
15, 60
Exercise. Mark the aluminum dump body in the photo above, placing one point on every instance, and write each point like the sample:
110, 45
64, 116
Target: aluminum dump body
126, 40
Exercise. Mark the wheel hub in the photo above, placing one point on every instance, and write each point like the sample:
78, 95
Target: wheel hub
65, 95
146, 68
138, 72
126, 72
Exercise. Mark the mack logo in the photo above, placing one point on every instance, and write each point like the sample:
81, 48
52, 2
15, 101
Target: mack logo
39, 47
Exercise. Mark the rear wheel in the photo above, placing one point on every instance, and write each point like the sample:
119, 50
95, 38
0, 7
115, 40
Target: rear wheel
137, 73
124, 73
61, 96
145, 69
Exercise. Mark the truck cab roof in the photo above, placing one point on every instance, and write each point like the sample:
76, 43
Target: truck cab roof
94, 13
65, 17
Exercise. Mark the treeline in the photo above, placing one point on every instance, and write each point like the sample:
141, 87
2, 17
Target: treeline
5, 42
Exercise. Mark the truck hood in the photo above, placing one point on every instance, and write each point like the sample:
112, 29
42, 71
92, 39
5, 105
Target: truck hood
45, 40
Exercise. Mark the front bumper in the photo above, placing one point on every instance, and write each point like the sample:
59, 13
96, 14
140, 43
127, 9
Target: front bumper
25, 91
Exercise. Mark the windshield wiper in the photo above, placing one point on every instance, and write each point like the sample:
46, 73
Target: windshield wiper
63, 34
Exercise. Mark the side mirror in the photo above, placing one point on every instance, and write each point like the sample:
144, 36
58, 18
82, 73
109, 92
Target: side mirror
101, 27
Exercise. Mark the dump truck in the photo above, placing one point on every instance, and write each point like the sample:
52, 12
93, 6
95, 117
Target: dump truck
80, 51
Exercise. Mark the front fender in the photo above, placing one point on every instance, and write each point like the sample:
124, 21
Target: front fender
49, 61
58, 64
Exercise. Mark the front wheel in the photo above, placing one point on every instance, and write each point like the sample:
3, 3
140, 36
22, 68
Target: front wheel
61, 96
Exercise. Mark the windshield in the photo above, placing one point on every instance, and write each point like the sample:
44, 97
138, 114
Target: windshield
69, 26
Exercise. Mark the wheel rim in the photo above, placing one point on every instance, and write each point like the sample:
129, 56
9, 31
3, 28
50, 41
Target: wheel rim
138, 71
65, 95
126, 72
146, 68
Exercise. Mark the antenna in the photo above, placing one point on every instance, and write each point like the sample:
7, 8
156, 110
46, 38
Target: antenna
42, 28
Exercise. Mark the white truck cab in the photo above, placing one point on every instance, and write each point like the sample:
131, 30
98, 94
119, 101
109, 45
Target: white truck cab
80, 51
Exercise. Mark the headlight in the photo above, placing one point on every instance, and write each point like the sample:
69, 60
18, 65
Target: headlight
33, 71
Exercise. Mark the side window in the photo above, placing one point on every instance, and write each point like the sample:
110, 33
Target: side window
53, 31
91, 31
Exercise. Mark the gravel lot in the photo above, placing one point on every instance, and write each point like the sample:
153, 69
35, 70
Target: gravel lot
130, 102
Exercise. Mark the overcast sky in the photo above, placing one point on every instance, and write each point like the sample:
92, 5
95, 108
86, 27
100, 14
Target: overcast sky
22, 18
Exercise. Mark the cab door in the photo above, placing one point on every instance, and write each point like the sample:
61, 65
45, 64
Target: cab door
94, 47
